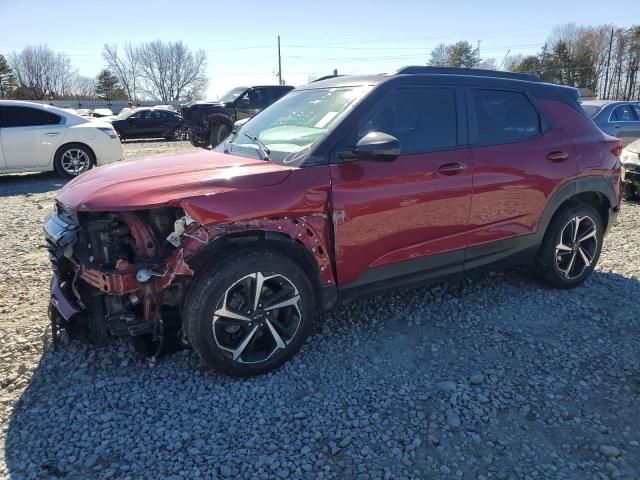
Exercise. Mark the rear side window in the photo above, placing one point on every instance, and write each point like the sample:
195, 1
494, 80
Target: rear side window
13, 116
504, 117
623, 113
423, 119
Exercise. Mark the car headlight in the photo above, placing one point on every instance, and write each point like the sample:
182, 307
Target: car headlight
109, 131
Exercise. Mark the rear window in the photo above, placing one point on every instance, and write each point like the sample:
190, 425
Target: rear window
504, 117
13, 116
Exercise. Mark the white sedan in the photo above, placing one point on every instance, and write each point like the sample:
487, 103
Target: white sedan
39, 138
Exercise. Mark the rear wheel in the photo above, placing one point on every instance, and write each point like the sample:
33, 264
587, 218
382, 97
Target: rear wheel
250, 314
219, 133
631, 192
571, 246
73, 159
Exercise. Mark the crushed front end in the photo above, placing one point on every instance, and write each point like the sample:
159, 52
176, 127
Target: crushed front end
117, 274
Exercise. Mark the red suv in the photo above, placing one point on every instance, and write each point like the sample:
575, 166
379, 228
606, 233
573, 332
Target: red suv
343, 187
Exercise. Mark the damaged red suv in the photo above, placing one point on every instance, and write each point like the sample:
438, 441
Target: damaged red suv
343, 187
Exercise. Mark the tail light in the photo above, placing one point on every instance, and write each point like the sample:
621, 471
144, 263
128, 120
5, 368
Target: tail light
109, 131
617, 150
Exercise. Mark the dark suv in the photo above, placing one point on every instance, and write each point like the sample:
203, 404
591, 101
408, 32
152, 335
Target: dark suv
211, 122
343, 187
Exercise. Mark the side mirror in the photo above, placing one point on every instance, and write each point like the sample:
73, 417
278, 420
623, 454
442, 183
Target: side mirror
374, 146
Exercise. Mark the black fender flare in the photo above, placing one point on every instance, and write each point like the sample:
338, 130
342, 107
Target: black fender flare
589, 184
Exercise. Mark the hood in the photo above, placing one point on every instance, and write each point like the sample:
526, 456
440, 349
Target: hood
166, 180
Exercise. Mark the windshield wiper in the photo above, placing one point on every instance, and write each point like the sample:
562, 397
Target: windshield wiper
264, 150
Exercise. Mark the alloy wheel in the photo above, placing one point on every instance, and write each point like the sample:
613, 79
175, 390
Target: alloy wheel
257, 316
75, 161
577, 246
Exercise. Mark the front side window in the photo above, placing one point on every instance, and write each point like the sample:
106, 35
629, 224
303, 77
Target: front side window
422, 119
255, 98
294, 125
623, 113
13, 116
504, 117
231, 95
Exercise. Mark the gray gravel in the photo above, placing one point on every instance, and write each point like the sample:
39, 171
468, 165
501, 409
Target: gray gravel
488, 377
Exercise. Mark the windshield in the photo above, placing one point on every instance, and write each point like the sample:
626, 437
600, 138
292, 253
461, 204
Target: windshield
291, 127
231, 95
591, 110
124, 114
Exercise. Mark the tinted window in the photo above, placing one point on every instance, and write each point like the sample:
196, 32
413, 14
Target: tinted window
504, 117
11, 116
623, 113
257, 97
637, 110
423, 119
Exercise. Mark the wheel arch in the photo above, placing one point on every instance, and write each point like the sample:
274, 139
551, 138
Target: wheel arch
313, 260
596, 191
219, 118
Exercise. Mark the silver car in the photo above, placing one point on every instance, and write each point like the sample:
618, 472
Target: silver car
620, 119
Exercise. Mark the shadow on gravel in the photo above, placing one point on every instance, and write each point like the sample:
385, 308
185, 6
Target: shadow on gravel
23, 183
553, 382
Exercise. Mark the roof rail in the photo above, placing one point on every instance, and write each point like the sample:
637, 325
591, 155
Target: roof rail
479, 72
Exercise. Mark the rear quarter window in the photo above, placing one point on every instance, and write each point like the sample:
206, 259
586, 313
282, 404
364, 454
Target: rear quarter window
504, 117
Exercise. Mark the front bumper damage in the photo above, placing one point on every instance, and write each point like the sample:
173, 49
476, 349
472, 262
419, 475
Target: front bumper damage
125, 274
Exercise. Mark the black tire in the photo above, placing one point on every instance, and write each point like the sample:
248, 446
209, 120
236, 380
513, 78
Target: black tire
175, 135
554, 261
61, 159
228, 286
630, 192
218, 133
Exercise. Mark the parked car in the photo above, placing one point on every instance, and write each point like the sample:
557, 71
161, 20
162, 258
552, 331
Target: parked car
630, 160
101, 112
39, 138
620, 119
342, 188
210, 122
148, 123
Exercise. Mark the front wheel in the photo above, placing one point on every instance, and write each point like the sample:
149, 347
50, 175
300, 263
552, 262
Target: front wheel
250, 314
218, 133
571, 246
73, 160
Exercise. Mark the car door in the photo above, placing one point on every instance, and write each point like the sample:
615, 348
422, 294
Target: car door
408, 216
518, 162
140, 124
252, 102
30, 136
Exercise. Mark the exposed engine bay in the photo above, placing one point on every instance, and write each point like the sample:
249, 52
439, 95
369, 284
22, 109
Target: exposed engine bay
122, 269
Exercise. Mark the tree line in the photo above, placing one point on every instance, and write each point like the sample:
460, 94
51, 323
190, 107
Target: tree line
157, 70
603, 59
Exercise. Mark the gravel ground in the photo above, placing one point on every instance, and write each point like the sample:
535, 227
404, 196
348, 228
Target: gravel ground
488, 377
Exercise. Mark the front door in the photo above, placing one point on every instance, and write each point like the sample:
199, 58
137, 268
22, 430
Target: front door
408, 216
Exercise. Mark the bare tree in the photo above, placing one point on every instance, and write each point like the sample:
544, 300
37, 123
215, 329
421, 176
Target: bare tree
125, 67
83, 88
170, 71
42, 71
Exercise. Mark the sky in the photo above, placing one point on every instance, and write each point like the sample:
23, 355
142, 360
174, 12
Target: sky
353, 36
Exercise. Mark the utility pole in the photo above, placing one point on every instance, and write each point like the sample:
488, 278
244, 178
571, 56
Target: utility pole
606, 73
279, 63
504, 59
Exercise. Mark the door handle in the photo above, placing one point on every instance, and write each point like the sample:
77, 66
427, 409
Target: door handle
451, 168
52, 134
557, 156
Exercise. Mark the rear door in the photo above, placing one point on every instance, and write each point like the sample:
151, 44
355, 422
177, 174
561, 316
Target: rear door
408, 216
30, 136
518, 161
